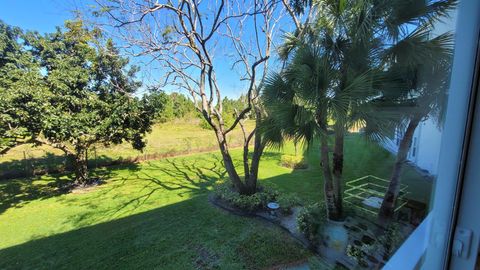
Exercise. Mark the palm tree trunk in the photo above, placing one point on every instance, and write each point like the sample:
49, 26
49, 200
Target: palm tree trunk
338, 168
388, 205
332, 210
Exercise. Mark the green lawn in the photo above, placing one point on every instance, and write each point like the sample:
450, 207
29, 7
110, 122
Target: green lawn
156, 215
178, 136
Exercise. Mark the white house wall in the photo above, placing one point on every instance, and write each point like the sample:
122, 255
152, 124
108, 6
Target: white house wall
424, 152
428, 146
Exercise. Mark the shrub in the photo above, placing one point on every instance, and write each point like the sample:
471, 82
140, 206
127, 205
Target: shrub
358, 254
310, 221
250, 203
293, 162
390, 240
287, 202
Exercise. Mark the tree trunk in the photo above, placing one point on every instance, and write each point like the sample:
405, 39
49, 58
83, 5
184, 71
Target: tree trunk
246, 166
338, 168
80, 166
228, 163
332, 211
251, 181
388, 205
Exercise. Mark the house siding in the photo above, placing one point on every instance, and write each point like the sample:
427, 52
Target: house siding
425, 149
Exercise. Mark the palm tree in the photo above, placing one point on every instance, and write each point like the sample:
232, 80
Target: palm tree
420, 68
340, 63
332, 73
302, 99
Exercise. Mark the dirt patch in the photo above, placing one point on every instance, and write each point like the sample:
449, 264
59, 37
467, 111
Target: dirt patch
81, 189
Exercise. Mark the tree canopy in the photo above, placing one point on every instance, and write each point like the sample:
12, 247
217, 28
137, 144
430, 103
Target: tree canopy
80, 94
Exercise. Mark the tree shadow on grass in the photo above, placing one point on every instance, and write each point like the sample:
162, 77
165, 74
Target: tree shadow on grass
17, 192
175, 236
182, 177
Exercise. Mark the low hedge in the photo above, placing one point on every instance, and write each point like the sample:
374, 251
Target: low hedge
250, 203
293, 162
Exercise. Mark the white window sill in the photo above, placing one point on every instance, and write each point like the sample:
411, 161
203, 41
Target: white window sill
410, 253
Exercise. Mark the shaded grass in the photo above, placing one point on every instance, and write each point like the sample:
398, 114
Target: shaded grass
156, 215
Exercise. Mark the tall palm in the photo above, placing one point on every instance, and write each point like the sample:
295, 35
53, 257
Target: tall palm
331, 73
302, 99
420, 68
337, 71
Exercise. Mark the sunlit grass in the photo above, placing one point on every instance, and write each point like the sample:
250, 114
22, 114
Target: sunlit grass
156, 214
178, 136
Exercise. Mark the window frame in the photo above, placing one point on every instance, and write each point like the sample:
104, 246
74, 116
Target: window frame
429, 246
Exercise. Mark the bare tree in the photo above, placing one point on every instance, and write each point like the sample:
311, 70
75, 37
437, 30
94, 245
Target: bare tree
190, 40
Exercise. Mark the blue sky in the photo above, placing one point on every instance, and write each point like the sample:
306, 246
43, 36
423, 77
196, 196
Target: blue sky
44, 15
39, 15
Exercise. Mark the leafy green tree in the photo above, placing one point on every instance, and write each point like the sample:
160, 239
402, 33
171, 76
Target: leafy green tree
301, 100
86, 98
330, 75
162, 104
182, 106
22, 92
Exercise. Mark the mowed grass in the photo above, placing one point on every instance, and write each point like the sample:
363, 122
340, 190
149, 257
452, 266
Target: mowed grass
156, 215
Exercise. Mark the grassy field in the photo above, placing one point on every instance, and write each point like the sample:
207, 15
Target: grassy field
155, 215
176, 137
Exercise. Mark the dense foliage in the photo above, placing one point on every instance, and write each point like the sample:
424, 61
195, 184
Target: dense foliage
293, 162
22, 94
287, 201
310, 222
250, 203
69, 90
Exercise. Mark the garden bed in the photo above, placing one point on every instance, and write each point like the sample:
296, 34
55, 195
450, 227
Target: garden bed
365, 250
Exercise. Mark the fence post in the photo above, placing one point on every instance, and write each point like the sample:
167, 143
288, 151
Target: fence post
65, 161
95, 154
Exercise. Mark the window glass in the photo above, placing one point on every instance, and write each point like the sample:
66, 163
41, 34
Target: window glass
252, 134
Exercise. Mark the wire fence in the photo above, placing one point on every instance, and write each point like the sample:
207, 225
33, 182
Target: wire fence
33, 162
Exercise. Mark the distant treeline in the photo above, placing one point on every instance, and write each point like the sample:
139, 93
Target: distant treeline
176, 105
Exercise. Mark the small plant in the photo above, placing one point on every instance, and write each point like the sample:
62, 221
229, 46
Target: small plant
390, 240
250, 203
358, 254
287, 202
310, 222
293, 162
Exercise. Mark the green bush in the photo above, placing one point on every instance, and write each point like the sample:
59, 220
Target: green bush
390, 240
228, 120
293, 162
358, 254
310, 221
287, 202
251, 203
